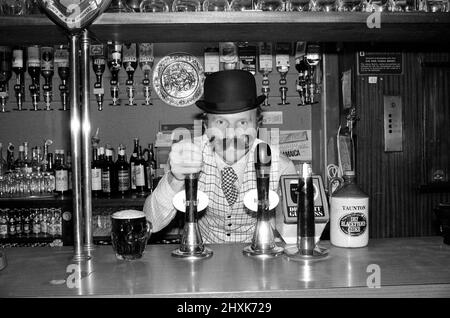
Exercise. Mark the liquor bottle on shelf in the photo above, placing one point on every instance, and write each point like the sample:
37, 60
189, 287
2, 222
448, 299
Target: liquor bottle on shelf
3, 223
10, 162
61, 173
123, 172
27, 169
283, 51
129, 63
69, 169
228, 55
3, 164
109, 184
140, 168
114, 64
96, 174
152, 166
5, 74
19, 164
19, 69
247, 58
265, 67
212, 60
44, 161
36, 154
47, 72
49, 175
98, 65
63, 67
34, 69
133, 160
146, 59
26, 223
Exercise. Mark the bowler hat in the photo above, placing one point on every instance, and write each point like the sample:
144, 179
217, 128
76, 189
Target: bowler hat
228, 92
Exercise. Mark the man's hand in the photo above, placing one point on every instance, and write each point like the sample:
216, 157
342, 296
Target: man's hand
185, 158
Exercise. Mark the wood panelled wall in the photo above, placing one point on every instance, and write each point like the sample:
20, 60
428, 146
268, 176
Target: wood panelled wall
392, 179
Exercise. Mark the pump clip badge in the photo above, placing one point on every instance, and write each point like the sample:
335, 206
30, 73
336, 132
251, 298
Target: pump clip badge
73, 15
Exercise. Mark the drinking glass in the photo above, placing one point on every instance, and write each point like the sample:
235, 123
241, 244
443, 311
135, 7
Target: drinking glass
270, 5
349, 5
438, 5
119, 6
216, 5
154, 6
186, 5
242, 5
322, 5
14, 7
375, 5
297, 5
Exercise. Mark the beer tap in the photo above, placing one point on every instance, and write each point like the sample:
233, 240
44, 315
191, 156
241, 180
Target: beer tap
265, 68
34, 69
98, 65
5, 75
263, 242
302, 68
130, 64
47, 72
19, 67
282, 62
63, 67
306, 248
146, 59
191, 246
114, 65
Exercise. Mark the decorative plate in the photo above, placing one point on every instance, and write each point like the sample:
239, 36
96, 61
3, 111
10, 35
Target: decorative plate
178, 79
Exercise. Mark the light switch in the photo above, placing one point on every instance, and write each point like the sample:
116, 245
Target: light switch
393, 127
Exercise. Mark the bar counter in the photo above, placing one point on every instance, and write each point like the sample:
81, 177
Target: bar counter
407, 267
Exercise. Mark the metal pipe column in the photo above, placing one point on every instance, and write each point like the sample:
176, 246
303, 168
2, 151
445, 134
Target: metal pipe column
86, 143
79, 254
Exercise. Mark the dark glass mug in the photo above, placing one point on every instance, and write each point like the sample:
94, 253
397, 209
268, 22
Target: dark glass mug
130, 232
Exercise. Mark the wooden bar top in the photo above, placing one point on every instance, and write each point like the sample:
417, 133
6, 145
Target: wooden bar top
407, 267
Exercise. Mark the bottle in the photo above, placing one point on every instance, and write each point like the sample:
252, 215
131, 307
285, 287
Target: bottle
27, 169
140, 168
19, 164
10, 162
26, 223
11, 224
18, 221
96, 173
132, 161
3, 164
123, 172
61, 173
152, 166
69, 168
3, 223
349, 214
108, 175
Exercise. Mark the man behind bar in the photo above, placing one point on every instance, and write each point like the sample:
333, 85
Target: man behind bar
224, 158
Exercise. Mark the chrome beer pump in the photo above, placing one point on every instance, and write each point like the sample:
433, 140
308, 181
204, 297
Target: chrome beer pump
191, 246
306, 248
265, 68
5, 75
263, 242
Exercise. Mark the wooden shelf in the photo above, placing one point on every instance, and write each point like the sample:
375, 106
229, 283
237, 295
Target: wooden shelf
238, 26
